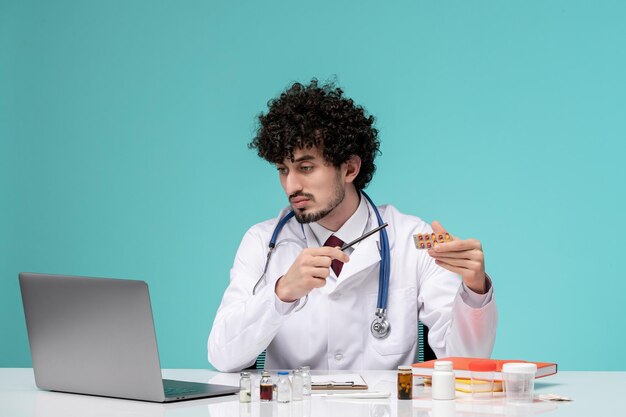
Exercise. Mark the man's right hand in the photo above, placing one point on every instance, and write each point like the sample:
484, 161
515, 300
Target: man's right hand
308, 271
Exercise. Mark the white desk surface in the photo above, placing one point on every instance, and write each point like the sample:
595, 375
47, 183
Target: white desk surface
594, 394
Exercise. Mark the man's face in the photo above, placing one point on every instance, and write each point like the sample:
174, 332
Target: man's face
313, 186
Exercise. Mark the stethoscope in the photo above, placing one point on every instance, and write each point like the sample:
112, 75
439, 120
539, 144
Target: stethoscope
380, 326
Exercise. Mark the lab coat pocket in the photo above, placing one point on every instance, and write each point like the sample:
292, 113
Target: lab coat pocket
402, 315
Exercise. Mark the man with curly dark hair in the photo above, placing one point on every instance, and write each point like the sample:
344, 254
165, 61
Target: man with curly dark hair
297, 295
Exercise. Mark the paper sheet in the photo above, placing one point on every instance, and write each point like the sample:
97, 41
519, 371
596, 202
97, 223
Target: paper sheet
338, 381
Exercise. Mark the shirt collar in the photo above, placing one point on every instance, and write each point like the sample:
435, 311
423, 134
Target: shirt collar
354, 227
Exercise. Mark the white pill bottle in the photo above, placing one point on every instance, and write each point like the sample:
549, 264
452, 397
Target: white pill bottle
443, 381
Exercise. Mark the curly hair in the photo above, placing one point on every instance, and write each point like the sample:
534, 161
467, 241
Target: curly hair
320, 116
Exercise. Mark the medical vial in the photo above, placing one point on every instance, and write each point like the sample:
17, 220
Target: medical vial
306, 381
283, 387
267, 387
405, 383
297, 386
245, 388
443, 381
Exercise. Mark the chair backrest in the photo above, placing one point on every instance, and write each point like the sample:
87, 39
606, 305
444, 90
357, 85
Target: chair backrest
424, 352
260, 361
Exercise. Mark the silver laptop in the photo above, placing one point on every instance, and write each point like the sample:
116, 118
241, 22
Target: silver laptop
96, 336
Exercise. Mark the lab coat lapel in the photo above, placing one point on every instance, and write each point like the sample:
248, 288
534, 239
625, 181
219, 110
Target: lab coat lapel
311, 240
364, 256
367, 253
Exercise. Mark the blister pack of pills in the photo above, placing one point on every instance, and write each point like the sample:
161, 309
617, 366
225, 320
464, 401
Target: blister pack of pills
553, 397
430, 240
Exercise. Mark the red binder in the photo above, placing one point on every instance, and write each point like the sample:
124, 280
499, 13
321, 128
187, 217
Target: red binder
461, 367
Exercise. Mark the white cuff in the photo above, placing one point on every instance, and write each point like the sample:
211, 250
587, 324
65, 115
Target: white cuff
284, 308
475, 300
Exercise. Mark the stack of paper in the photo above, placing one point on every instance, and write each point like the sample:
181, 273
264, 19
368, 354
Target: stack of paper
465, 385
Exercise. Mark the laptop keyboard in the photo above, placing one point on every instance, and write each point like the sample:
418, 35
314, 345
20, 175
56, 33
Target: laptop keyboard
180, 390
170, 392
175, 388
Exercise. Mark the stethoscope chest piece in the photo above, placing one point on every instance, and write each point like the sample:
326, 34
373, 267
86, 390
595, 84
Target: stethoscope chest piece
380, 327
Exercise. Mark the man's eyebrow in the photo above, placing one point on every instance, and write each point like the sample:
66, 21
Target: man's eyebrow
304, 158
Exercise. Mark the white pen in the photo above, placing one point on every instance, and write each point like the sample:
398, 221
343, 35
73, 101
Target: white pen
368, 394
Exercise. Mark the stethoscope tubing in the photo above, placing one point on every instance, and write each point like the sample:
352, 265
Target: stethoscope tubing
279, 227
383, 275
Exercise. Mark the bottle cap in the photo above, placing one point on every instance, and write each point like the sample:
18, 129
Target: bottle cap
443, 366
519, 368
404, 368
283, 373
245, 374
482, 366
305, 368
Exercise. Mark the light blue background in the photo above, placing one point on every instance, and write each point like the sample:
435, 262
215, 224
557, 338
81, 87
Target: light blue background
124, 126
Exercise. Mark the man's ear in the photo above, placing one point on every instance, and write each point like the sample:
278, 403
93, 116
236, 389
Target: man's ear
352, 168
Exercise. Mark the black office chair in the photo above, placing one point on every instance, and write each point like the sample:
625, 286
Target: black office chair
425, 353
260, 362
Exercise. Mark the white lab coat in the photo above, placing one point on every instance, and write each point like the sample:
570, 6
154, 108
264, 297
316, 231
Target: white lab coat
332, 330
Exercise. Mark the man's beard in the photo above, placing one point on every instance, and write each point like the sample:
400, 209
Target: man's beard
305, 217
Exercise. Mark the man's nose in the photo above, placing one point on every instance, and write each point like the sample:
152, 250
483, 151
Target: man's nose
292, 184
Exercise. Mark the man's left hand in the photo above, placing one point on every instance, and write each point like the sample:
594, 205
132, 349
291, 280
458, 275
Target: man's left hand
464, 257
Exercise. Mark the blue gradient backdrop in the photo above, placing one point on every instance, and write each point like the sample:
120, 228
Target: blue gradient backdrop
124, 124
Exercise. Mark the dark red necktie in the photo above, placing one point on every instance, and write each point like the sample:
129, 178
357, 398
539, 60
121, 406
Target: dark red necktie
336, 265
